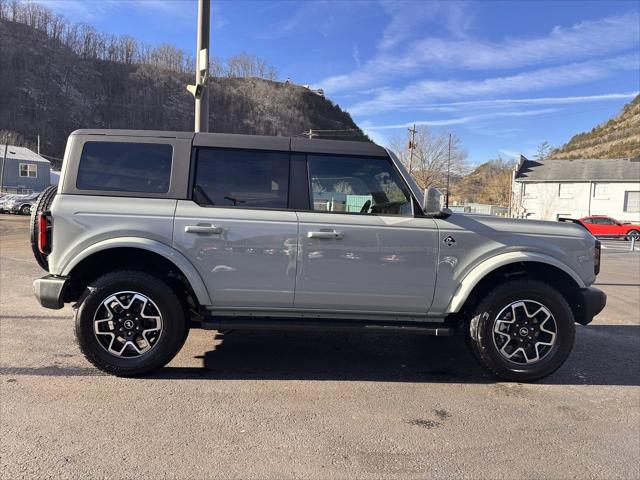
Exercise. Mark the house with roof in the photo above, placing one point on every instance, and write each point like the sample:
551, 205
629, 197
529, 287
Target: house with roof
549, 189
22, 170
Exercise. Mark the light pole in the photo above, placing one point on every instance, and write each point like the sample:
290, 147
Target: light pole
199, 90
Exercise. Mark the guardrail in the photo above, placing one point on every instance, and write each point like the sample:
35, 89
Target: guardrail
633, 239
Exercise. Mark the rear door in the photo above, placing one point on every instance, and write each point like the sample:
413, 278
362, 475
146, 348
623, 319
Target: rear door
361, 247
236, 228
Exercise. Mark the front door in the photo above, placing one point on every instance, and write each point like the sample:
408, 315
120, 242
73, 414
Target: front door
361, 248
237, 230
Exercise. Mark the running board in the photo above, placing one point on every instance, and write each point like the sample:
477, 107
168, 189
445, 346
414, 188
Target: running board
252, 323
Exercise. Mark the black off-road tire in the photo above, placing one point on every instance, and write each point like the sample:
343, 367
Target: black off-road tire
174, 324
481, 324
41, 205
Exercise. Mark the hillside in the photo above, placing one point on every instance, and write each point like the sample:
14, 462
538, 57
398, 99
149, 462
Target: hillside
489, 183
617, 138
47, 88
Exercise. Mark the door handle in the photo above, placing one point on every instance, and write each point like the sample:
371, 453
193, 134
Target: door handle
210, 229
325, 234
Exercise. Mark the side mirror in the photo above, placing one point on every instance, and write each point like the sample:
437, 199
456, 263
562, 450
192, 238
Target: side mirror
433, 203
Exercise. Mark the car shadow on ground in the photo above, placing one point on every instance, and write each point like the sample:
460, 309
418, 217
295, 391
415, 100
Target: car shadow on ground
603, 355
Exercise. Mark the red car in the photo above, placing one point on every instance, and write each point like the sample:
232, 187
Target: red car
602, 225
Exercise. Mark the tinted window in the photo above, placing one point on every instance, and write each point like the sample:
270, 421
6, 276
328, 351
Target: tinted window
241, 178
357, 185
125, 167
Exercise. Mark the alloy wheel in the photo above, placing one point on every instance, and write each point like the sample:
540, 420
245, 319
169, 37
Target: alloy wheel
524, 332
127, 324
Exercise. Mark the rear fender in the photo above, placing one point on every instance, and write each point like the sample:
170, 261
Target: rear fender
173, 256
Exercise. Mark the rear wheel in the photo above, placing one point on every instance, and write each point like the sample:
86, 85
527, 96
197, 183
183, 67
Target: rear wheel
635, 234
25, 210
522, 331
43, 204
130, 323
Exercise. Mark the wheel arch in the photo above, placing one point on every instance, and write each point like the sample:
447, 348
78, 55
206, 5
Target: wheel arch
146, 254
497, 269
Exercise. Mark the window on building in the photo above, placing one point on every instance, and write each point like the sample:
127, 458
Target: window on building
357, 185
600, 190
632, 202
241, 178
29, 170
529, 190
565, 190
125, 167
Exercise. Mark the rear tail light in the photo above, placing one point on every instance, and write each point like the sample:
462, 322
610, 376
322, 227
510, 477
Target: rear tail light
44, 233
596, 257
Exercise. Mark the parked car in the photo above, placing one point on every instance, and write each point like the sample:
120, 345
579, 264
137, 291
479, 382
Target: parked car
153, 233
22, 204
3, 202
600, 225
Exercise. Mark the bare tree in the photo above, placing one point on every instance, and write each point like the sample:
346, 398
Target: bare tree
430, 157
543, 152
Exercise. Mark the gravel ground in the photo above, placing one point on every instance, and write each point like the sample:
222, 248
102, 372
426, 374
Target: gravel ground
313, 405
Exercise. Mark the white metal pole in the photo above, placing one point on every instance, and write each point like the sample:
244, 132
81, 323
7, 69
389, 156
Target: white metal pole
202, 42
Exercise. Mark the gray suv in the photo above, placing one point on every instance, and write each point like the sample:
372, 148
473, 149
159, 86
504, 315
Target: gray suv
153, 233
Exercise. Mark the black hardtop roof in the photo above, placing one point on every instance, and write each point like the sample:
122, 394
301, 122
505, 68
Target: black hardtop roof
256, 142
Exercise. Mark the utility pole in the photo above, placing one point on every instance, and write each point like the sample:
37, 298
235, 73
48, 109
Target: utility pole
202, 67
4, 161
446, 199
412, 145
38, 144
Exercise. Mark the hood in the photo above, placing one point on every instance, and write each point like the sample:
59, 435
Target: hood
494, 224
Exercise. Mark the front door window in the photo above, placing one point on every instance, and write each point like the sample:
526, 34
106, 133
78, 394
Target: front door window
357, 185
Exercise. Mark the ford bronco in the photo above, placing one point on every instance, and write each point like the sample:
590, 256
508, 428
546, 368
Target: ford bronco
150, 234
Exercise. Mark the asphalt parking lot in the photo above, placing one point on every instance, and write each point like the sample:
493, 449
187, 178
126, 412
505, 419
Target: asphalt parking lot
313, 405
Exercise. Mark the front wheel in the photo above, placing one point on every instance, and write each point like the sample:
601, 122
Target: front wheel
25, 210
522, 331
633, 234
130, 323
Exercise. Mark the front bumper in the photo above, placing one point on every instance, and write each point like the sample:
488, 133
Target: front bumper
592, 302
50, 291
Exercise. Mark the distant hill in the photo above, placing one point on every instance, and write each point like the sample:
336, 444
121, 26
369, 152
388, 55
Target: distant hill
49, 88
489, 183
617, 138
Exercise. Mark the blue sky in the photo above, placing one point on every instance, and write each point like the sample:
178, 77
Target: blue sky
504, 76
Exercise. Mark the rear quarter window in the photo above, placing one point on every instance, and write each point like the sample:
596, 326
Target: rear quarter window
125, 167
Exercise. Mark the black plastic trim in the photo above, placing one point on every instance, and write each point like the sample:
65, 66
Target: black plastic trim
49, 291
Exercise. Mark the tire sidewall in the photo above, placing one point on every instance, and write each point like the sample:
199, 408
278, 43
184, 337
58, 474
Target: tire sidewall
483, 324
173, 324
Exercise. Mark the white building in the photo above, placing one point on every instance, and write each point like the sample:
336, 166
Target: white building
577, 188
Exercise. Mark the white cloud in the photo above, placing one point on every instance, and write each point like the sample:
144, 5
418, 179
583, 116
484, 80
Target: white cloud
507, 102
561, 44
461, 120
428, 90
355, 53
408, 16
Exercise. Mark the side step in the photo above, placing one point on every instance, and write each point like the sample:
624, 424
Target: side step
252, 323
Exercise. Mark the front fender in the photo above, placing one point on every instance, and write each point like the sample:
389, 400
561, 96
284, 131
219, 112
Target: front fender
175, 257
486, 267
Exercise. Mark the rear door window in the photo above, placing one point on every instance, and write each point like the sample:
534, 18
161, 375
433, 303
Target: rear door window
241, 178
125, 167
